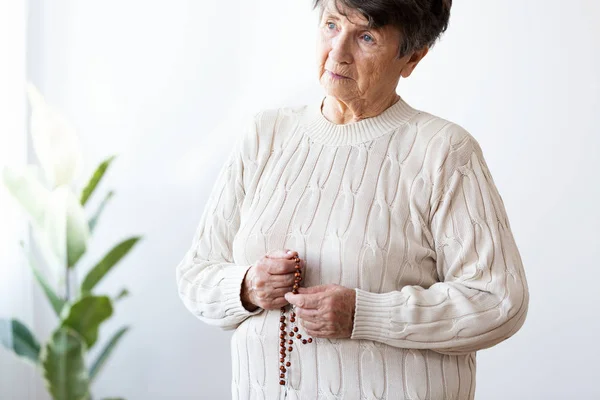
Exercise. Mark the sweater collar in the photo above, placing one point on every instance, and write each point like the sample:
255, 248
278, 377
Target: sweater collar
321, 130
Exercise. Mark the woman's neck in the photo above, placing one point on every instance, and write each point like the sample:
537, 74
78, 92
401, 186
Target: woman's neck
340, 112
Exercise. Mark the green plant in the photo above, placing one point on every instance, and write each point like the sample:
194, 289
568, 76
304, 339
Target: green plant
62, 232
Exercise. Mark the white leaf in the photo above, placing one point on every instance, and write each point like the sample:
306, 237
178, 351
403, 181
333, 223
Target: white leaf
54, 141
60, 226
53, 232
28, 191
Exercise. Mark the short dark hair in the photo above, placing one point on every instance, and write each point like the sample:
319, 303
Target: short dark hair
420, 21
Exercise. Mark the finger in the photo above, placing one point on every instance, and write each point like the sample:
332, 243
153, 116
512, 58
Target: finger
280, 266
282, 253
308, 314
310, 301
271, 294
279, 293
312, 326
322, 334
313, 289
278, 303
282, 281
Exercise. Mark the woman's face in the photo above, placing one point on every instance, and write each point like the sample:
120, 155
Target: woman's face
355, 62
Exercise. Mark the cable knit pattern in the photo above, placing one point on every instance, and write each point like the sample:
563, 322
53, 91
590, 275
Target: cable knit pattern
400, 207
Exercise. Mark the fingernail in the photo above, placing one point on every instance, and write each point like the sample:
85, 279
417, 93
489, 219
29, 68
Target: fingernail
289, 252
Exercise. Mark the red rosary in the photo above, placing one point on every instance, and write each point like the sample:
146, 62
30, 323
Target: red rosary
293, 328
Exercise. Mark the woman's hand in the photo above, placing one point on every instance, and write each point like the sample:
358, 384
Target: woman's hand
268, 280
326, 311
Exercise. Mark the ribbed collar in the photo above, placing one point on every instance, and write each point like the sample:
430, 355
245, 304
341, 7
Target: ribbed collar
321, 130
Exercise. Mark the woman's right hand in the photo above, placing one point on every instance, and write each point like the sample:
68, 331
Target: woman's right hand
269, 279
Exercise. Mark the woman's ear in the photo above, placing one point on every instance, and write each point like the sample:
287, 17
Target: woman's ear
412, 62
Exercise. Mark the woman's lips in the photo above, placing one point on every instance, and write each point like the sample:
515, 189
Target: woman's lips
336, 76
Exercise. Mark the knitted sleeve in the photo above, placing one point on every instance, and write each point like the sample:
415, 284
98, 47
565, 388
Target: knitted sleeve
482, 297
208, 280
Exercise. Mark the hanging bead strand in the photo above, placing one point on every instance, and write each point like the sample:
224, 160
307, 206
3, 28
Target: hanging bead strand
283, 350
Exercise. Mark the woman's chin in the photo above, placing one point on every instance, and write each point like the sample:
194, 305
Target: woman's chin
336, 90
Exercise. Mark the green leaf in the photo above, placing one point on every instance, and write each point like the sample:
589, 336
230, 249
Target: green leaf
17, 337
56, 302
95, 180
106, 264
64, 366
86, 315
106, 352
78, 230
122, 294
94, 220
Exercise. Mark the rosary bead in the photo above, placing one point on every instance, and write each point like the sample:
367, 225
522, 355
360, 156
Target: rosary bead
293, 329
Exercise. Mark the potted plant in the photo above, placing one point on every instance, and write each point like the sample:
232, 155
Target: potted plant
61, 233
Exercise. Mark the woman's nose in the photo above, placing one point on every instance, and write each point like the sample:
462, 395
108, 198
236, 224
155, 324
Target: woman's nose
341, 49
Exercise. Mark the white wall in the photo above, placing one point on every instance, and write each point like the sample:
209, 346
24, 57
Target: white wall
153, 81
15, 281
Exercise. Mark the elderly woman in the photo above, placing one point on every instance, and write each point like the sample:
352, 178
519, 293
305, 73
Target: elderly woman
358, 246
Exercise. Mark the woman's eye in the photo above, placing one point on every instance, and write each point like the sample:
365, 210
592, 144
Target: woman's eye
330, 25
368, 38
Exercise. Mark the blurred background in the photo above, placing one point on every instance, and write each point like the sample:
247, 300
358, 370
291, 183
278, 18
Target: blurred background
166, 85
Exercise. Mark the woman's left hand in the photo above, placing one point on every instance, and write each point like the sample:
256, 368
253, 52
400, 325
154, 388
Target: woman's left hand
327, 311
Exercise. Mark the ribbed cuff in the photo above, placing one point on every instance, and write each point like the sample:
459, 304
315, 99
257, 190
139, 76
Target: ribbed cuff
372, 317
232, 291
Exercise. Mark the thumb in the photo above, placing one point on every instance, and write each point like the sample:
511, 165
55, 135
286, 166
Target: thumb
282, 253
312, 289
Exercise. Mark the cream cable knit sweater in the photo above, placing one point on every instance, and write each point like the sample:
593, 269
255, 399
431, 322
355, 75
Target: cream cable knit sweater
401, 207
